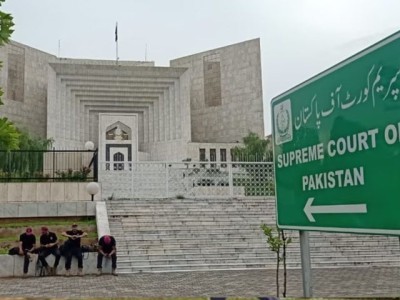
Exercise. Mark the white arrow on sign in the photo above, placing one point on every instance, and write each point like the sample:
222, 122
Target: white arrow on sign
309, 210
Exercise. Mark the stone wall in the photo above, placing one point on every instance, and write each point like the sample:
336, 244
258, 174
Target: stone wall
12, 265
47, 209
45, 192
23, 78
225, 92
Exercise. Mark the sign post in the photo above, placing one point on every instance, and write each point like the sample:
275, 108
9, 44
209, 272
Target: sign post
306, 264
337, 146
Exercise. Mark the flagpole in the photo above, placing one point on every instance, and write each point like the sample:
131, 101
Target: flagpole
116, 44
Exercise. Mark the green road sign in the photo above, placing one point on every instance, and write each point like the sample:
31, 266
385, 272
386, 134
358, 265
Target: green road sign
337, 146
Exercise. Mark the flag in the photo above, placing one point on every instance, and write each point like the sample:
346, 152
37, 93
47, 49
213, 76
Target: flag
116, 32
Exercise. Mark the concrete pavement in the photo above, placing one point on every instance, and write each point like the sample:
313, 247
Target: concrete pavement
348, 282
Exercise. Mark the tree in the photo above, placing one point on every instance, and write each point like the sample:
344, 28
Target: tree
278, 241
29, 142
9, 135
255, 155
255, 149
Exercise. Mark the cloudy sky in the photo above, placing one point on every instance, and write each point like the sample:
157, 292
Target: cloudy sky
299, 38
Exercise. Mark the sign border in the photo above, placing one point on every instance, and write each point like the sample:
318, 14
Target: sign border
375, 46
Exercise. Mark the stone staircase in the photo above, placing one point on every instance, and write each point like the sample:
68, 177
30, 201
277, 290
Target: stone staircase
169, 235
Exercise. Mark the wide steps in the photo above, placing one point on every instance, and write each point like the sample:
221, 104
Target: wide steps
178, 235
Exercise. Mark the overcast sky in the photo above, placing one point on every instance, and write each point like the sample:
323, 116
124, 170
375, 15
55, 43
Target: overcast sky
299, 38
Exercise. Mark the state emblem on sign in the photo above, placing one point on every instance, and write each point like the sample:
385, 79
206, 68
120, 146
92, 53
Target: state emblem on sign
283, 122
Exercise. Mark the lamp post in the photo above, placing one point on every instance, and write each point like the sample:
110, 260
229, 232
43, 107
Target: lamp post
92, 188
89, 145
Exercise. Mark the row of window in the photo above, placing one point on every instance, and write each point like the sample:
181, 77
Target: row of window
213, 154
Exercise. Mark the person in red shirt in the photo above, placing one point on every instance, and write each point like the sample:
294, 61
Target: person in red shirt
107, 248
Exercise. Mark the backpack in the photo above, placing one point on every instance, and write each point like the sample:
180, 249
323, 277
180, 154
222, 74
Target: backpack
13, 251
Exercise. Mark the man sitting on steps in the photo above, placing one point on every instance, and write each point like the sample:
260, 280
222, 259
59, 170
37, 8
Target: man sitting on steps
49, 245
107, 248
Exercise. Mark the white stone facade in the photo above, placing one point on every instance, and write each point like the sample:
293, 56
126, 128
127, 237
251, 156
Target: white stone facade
31, 81
209, 100
237, 106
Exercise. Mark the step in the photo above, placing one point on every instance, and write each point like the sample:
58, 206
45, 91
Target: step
187, 255
194, 206
191, 268
190, 217
194, 261
196, 240
190, 209
190, 222
220, 222
184, 235
352, 244
342, 262
181, 213
183, 249
189, 200
140, 231
186, 226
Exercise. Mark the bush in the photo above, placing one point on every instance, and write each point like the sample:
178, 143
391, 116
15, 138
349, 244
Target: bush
71, 175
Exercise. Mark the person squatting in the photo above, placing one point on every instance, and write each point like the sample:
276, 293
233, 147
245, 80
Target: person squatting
107, 248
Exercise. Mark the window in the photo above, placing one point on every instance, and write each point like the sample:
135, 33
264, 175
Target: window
202, 153
118, 157
16, 73
213, 157
222, 154
212, 80
233, 158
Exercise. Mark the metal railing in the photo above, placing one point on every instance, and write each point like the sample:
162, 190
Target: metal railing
186, 179
48, 165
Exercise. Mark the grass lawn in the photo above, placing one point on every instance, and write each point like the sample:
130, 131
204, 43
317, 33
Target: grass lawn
10, 229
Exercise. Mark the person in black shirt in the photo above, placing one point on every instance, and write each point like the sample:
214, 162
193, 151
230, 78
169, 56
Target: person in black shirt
27, 243
49, 245
73, 248
107, 248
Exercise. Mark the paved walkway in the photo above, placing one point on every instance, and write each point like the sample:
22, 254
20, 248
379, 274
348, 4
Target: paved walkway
349, 282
